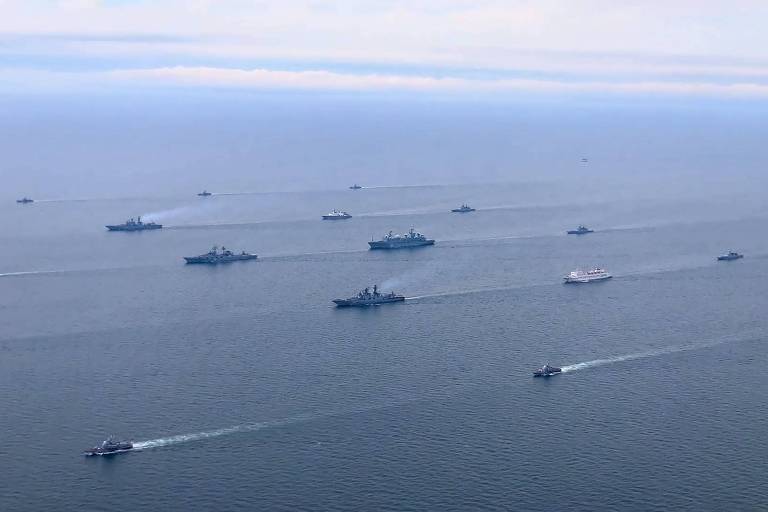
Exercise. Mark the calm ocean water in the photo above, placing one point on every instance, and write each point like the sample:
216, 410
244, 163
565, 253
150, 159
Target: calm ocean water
246, 390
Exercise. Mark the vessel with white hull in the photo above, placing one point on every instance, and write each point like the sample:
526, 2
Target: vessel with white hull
337, 215
587, 276
730, 256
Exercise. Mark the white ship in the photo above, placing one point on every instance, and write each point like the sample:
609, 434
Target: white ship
336, 215
587, 276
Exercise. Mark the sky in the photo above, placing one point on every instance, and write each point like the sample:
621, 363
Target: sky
674, 48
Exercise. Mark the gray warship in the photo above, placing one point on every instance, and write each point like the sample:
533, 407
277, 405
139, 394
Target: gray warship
409, 239
109, 447
547, 371
355, 187
134, 225
464, 208
214, 257
369, 298
204, 193
25, 200
581, 230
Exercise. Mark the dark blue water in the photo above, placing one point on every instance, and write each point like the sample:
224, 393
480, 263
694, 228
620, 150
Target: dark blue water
244, 389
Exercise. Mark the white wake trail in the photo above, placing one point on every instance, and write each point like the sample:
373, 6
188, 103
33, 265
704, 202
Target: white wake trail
199, 436
639, 355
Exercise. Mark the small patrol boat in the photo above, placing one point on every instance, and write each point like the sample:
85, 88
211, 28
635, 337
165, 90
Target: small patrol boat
581, 230
25, 200
547, 371
110, 446
464, 208
730, 256
355, 187
204, 193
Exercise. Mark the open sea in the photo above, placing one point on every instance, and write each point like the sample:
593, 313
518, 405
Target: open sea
243, 388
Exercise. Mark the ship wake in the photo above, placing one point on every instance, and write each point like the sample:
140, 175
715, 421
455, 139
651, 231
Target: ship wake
209, 434
256, 426
643, 355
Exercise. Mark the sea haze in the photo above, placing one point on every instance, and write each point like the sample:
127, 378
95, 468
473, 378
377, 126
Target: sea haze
243, 388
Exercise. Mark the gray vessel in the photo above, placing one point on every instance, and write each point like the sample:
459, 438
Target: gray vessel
581, 230
25, 200
109, 447
464, 208
214, 257
204, 193
547, 371
134, 225
369, 298
392, 241
355, 187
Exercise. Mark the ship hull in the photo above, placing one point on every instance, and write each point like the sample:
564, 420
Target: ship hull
459, 210
729, 258
576, 232
384, 245
351, 303
99, 453
580, 280
336, 217
127, 228
202, 260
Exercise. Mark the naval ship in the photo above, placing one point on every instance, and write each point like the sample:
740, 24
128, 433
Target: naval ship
355, 187
730, 256
581, 276
369, 298
464, 208
547, 371
134, 225
109, 447
581, 230
410, 239
25, 200
336, 215
214, 257
204, 193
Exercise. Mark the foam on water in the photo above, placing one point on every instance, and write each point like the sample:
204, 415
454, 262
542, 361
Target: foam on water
643, 355
199, 436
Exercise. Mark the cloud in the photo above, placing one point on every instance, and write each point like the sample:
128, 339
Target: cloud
324, 80
680, 47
